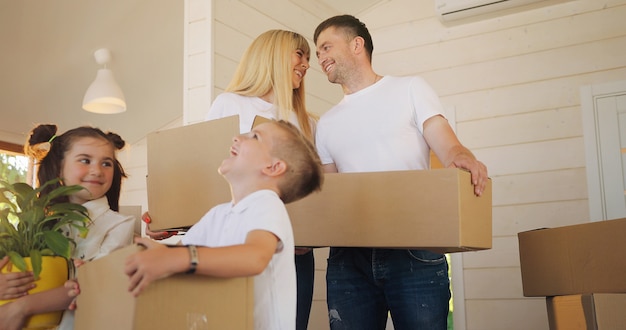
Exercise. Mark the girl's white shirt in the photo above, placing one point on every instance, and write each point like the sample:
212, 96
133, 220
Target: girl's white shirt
108, 231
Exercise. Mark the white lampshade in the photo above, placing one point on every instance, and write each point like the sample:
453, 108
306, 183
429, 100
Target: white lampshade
104, 95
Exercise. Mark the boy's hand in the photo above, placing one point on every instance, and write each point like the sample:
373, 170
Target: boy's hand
14, 285
147, 266
156, 235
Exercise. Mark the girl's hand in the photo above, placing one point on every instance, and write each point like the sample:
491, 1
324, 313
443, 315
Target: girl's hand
156, 235
73, 292
14, 285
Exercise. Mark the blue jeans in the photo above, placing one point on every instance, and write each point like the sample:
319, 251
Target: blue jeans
363, 284
305, 274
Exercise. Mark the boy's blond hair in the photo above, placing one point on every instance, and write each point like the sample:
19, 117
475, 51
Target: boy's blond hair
304, 173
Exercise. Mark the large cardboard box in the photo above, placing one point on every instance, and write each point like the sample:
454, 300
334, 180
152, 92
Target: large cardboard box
598, 311
584, 258
434, 209
178, 302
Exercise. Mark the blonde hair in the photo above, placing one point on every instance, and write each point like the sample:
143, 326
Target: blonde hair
266, 66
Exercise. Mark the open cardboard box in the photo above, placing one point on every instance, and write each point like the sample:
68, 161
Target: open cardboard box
434, 209
178, 302
598, 311
568, 260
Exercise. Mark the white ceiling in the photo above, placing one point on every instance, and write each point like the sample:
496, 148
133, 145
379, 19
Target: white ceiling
47, 63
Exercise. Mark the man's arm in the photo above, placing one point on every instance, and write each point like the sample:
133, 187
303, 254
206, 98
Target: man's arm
442, 140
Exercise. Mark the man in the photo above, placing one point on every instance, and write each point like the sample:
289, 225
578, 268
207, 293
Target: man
383, 123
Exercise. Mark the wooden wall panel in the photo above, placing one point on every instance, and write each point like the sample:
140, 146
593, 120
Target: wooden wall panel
510, 314
497, 44
230, 42
427, 29
512, 219
493, 283
540, 187
533, 157
558, 92
523, 128
560, 62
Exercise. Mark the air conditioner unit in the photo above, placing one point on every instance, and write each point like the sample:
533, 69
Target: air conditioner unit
451, 10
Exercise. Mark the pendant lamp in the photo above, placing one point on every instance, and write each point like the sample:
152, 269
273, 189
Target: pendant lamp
104, 95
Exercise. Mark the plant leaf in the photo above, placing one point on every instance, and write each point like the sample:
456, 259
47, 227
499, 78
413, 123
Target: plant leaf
61, 191
4, 200
58, 243
24, 194
35, 262
17, 260
83, 230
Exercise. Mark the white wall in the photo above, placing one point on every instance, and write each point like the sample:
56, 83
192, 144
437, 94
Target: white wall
514, 81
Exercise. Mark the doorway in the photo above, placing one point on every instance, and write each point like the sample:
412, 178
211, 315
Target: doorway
604, 126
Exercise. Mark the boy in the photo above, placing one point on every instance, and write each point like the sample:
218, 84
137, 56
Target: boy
250, 236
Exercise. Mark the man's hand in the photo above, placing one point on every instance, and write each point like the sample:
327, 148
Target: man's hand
476, 168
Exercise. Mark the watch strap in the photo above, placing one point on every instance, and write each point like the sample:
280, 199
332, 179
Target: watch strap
193, 259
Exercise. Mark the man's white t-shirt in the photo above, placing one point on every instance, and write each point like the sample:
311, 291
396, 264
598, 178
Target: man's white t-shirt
379, 128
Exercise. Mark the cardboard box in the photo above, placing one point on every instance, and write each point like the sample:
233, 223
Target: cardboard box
183, 183
584, 258
178, 302
135, 211
599, 311
434, 209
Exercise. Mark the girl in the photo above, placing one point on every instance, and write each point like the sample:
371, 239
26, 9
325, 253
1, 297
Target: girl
82, 156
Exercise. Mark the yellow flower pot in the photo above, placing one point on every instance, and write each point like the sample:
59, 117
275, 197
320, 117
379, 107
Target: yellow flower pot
54, 273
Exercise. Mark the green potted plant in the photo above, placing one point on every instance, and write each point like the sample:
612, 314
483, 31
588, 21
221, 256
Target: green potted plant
32, 232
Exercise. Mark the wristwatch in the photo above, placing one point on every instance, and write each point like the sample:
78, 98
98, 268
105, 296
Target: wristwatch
193, 255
